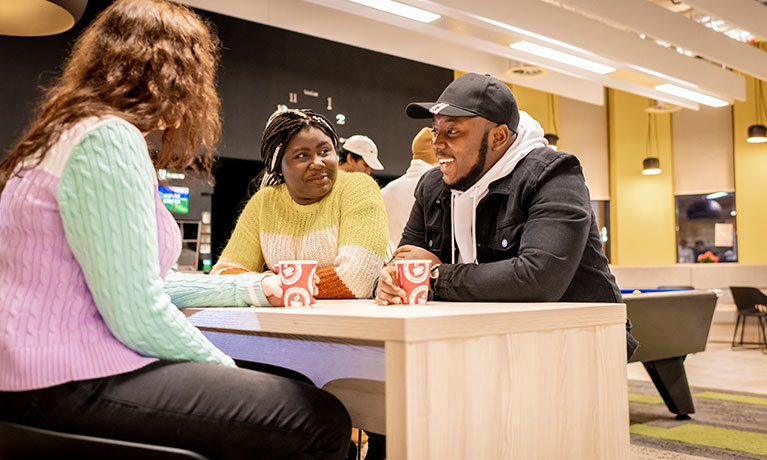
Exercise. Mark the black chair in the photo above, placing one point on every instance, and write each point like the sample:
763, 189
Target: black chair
747, 299
24, 442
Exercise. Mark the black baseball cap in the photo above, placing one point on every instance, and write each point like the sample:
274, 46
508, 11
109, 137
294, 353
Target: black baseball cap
472, 95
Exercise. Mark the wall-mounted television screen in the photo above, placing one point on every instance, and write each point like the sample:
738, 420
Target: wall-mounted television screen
176, 199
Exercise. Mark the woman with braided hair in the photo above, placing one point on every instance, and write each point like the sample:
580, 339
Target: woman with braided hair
306, 208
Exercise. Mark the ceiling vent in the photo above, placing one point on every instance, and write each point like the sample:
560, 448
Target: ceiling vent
525, 71
662, 107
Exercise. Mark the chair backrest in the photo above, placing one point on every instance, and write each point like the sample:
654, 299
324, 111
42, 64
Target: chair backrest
746, 298
24, 442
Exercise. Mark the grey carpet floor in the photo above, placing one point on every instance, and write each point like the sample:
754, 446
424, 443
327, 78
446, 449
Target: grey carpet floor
737, 429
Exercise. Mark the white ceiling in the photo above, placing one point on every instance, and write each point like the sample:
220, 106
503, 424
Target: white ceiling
474, 36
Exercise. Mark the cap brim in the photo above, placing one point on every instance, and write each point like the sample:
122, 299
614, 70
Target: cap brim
420, 109
373, 162
423, 110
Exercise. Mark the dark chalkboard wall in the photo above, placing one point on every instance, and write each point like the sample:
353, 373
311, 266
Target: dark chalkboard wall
260, 67
263, 65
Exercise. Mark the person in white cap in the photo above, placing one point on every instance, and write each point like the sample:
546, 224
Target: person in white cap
359, 154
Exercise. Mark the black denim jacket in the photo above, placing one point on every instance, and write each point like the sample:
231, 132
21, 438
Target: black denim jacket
537, 237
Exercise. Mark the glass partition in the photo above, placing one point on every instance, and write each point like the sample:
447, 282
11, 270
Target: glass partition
706, 228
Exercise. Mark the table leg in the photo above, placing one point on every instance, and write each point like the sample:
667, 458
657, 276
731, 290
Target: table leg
670, 379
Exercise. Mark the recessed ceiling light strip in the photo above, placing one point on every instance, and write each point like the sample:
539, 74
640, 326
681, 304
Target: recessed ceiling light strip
400, 9
685, 93
564, 58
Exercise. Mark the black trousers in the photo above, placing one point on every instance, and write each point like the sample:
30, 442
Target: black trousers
218, 412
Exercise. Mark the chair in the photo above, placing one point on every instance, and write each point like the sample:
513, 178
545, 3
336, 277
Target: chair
747, 299
24, 442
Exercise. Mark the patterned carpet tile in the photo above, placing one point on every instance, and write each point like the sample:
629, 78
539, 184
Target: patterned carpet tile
726, 425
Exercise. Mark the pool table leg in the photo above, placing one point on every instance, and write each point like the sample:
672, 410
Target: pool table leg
670, 379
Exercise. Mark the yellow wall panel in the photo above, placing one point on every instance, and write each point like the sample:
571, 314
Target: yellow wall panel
642, 208
536, 104
750, 165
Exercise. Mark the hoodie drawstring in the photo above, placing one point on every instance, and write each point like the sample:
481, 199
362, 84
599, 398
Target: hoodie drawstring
474, 226
452, 228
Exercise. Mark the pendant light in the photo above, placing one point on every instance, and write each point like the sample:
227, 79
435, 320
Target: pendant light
651, 163
552, 137
37, 18
757, 133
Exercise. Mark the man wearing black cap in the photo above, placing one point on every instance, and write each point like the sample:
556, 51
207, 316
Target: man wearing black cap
505, 217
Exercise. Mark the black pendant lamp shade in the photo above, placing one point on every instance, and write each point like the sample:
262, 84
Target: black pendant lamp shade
757, 134
37, 18
651, 166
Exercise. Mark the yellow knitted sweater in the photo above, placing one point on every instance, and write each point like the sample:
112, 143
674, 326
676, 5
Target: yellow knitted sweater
345, 232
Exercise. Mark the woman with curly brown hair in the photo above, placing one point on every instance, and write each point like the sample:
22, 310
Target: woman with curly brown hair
92, 341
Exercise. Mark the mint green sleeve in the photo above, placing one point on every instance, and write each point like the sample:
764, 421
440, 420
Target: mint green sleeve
193, 290
106, 199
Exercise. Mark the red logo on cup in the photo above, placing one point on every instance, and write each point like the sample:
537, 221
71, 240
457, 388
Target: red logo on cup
413, 277
297, 282
419, 295
297, 297
417, 272
290, 272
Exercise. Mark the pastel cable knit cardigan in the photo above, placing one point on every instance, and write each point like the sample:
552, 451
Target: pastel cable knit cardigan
85, 243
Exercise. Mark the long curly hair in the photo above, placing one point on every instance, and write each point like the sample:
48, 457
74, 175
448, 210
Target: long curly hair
280, 129
150, 62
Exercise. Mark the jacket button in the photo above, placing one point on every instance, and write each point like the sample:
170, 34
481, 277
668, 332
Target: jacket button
431, 243
504, 243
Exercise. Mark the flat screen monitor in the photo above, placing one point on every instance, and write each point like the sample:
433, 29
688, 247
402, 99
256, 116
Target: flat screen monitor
176, 199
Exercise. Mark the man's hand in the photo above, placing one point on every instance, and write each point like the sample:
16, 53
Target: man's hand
388, 291
411, 252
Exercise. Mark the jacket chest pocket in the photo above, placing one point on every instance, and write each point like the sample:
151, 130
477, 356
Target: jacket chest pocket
503, 242
434, 237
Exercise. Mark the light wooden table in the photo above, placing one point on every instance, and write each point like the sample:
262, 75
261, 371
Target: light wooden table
461, 380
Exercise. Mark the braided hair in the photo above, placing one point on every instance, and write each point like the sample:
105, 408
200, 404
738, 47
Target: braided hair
280, 129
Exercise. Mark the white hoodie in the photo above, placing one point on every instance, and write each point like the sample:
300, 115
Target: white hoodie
464, 204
